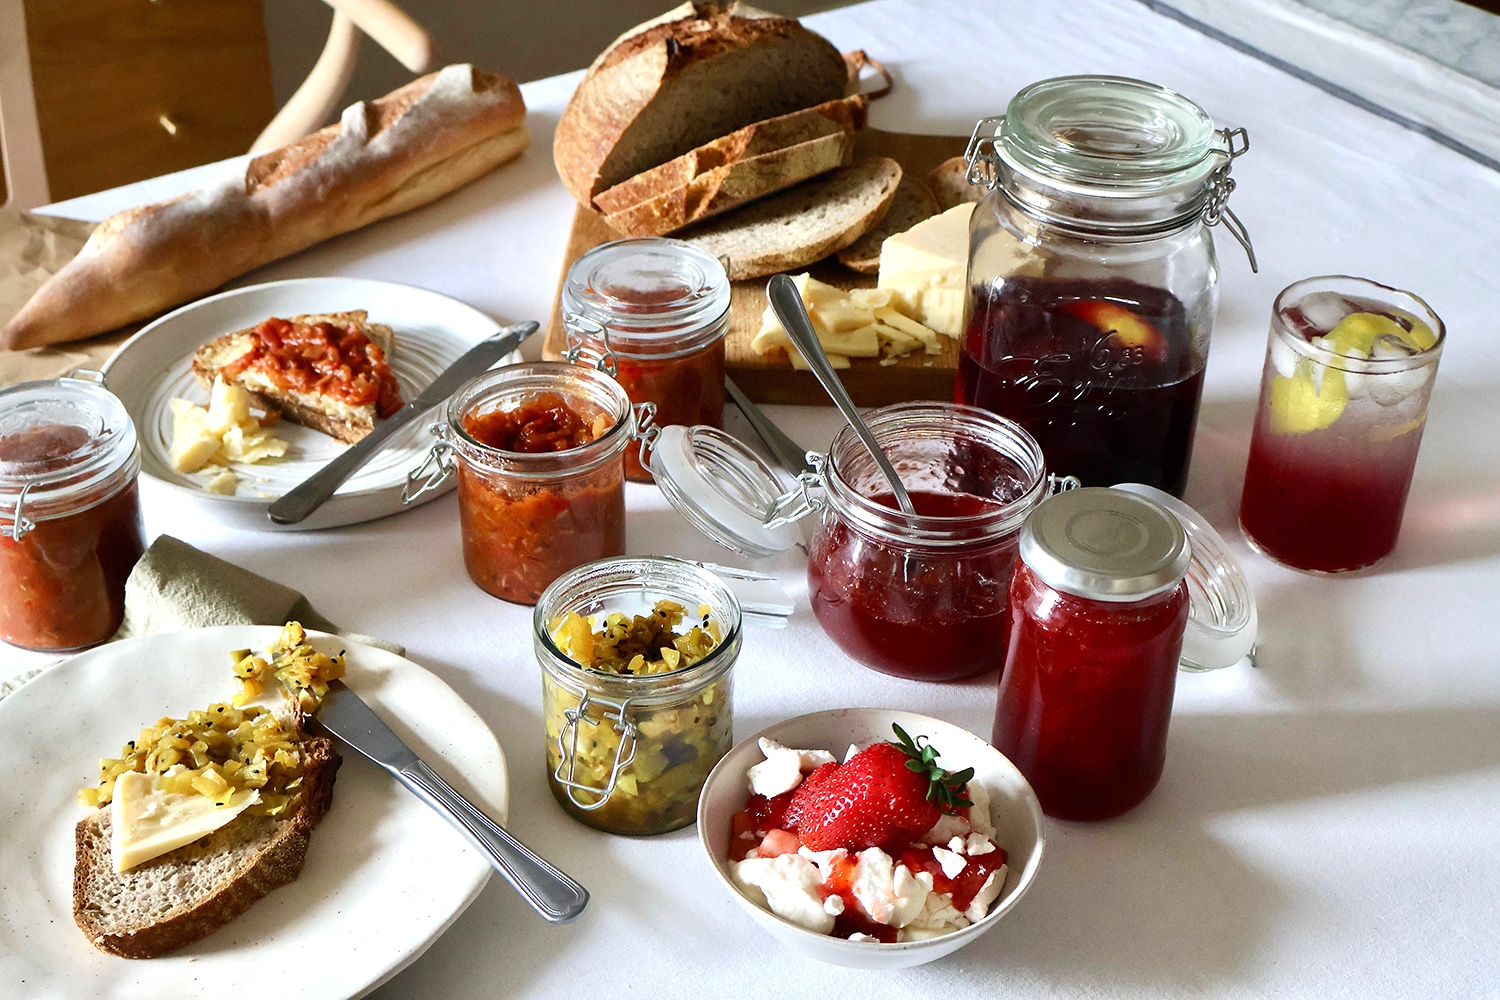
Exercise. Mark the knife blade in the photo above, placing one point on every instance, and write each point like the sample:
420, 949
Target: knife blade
789, 454
554, 895
310, 494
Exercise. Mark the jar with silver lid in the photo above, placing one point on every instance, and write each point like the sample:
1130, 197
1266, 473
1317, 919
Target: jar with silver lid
653, 313
1099, 608
1092, 277
70, 512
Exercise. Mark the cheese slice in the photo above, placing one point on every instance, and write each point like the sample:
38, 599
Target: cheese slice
147, 821
926, 268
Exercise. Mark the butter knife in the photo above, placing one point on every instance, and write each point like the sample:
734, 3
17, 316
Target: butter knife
313, 491
789, 454
551, 893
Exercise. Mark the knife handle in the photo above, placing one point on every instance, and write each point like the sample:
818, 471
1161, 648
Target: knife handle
550, 892
312, 492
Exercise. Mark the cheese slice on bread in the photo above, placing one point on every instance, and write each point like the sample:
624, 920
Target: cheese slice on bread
340, 392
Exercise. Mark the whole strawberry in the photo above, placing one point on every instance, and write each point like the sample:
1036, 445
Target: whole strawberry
885, 796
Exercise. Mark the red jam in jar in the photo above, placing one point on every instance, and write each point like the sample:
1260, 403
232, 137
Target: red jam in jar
654, 313
541, 485
923, 595
1099, 608
70, 513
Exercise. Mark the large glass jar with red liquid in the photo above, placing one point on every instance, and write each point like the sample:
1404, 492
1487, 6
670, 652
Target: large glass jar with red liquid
1099, 608
70, 513
652, 313
920, 595
1092, 278
538, 450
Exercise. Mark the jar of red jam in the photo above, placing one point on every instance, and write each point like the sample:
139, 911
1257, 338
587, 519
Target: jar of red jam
921, 595
538, 450
70, 512
1092, 277
1099, 607
653, 313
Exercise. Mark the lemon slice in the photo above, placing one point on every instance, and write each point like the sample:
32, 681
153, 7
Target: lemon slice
1298, 405
1356, 334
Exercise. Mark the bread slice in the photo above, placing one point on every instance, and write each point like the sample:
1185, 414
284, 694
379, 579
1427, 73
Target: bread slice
674, 83
750, 162
949, 181
183, 895
913, 203
320, 411
801, 224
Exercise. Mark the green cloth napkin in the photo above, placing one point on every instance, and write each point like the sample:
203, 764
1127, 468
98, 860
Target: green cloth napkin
176, 587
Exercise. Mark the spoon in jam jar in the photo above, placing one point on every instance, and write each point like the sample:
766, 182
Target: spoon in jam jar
786, 301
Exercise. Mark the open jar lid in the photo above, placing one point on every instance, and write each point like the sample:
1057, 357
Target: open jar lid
724, 489
1222, 618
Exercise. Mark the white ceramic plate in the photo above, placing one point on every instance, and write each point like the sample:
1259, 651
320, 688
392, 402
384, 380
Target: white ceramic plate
1017, 816
150, 368
384, 877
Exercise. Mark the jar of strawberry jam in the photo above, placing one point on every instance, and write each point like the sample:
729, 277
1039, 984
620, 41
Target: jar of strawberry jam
70, 513
1092, 277
1099, 608
922, 595
652, 313
538, 450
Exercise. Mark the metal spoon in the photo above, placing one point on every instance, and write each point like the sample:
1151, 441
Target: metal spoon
786, 301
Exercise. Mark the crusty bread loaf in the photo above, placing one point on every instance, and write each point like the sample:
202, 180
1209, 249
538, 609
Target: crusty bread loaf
679, 81
949, 181
179, 897
801, 224
337, 419
384, 157
913, 203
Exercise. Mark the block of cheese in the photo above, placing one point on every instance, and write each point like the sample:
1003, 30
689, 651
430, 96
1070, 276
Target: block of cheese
857, 324
147, 820
926, 266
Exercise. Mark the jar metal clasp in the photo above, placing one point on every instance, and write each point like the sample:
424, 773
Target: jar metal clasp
1221, 186
567, 747
980, 153
798, 503
579, 329
20, 525
1062, 484
437, 465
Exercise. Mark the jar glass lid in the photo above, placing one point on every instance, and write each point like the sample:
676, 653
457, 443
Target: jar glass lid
59, 439
647, 289
724, 489
1109, 131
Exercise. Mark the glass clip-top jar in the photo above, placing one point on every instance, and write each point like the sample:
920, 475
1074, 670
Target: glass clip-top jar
1092, 276
921, 595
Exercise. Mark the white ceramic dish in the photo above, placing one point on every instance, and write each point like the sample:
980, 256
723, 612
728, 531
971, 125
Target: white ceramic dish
384, 877
1018, 824
150, 368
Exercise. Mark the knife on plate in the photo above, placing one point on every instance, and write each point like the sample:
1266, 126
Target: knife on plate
551, 893
311, 493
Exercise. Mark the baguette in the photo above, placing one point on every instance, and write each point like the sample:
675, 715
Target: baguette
179, 897
801, 224
674, 83
337, 418
384, 157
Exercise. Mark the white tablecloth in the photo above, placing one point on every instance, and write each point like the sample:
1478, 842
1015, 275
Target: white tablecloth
1328, 824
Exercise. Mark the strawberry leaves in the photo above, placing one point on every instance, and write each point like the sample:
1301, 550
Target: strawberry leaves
946, 788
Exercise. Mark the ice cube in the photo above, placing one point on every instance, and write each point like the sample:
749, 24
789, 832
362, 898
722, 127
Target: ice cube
1317, 313
1283, 357
1390, 389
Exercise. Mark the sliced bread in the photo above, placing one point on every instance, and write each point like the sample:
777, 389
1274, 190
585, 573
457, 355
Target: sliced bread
321, 411
802, 224
681, 80
913, 203
949, 181
711, 162
177, 898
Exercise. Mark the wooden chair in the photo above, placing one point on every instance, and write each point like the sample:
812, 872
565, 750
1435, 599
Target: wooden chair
126, 99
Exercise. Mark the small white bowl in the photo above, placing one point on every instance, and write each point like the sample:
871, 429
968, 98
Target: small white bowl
1017, 814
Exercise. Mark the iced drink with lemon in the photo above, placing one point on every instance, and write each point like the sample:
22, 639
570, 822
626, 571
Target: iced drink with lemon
1342, 404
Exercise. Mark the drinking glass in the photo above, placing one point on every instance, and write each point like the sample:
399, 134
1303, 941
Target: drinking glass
1343, 401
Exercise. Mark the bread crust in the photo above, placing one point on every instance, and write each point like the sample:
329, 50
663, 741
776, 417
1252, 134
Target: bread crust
384, 157
274, 849
914, 202
949, 182
627, 114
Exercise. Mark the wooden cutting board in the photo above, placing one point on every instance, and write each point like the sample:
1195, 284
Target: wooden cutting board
771, 379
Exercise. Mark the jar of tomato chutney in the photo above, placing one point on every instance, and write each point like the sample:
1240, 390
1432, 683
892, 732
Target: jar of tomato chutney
922, 595
70, 513
538, 450
652, 313
1099, 606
